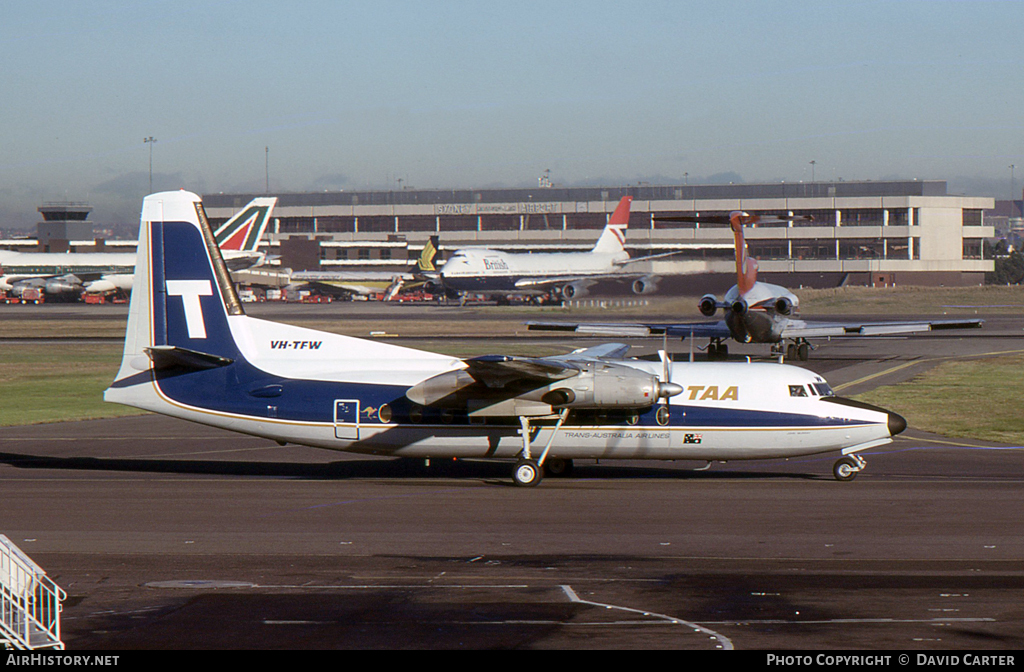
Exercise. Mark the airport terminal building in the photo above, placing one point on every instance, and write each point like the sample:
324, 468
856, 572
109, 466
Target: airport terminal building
866, 233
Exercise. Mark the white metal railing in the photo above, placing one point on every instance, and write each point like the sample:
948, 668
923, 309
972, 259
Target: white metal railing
30, 603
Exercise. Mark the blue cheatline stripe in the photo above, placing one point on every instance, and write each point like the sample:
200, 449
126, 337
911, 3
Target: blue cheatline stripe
242, 389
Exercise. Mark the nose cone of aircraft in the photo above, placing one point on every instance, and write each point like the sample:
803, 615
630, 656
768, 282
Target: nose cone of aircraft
897, 423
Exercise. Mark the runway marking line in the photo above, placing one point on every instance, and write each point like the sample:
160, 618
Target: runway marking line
723, 641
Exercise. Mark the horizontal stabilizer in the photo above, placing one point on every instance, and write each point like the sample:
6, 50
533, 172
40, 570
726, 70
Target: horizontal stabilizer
173, 357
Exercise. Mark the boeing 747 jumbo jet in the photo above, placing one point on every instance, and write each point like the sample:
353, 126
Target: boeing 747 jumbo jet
102, 272
569, 274
190, 352
756, 312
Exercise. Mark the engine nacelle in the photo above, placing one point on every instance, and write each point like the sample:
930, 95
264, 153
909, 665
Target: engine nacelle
20, 287
608, 387
783, 305
738, 307
708, 305
445, 390
64, 284
645, 285
574, 290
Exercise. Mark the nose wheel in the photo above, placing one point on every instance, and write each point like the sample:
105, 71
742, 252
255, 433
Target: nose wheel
527, 473
847, 468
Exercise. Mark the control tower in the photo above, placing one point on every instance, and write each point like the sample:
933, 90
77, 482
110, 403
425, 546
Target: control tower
63, 221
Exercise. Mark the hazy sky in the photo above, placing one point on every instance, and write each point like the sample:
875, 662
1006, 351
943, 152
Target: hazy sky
355, 95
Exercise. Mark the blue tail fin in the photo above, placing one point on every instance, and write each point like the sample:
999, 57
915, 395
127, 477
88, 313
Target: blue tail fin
182, 293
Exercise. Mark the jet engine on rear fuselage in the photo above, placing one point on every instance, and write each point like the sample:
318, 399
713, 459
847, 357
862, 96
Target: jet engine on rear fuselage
708, 305
784, 305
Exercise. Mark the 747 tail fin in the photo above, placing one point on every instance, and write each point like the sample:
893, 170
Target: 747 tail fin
613, 238
426, 263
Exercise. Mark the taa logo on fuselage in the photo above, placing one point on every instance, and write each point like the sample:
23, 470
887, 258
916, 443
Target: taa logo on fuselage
711, 393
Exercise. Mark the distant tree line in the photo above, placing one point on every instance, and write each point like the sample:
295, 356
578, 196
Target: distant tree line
1009, 264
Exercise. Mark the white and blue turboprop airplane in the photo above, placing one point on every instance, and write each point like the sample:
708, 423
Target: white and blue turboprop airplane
191, 352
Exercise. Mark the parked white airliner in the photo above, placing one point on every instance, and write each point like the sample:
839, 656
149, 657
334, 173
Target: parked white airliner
191, 352
569, 274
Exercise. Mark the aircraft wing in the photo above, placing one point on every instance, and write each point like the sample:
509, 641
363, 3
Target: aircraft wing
355, 282
497, 371
540, 282
684, 248
537, 283
350, 276
812, 329
703, 329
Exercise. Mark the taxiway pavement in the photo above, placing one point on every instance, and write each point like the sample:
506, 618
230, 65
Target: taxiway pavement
168, 535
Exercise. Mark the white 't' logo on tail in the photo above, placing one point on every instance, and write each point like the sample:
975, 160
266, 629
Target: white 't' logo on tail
190, 291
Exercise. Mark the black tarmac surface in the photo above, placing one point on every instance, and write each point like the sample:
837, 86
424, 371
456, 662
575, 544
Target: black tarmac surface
168, 535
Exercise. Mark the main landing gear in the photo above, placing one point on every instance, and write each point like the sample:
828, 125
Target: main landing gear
718, 351
799, 349
529, 472
846, 468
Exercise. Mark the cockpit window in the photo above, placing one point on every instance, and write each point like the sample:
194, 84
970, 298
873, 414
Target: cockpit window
824, 389
797, 391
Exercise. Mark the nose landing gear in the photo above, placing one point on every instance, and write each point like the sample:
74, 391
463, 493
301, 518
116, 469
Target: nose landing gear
846, 468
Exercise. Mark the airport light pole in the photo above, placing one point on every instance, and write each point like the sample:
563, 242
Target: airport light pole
1012, 195
149, 141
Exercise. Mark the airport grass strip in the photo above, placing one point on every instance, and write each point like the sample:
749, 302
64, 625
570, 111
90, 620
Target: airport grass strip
968, 398
50, 383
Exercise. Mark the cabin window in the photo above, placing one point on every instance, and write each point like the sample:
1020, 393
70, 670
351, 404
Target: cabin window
797, 391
